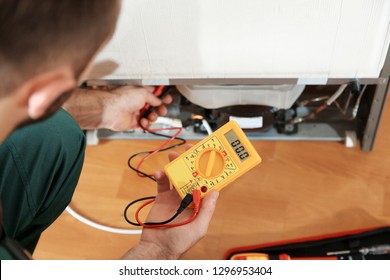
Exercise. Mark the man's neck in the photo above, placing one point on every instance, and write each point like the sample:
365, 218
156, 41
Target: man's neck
9, 117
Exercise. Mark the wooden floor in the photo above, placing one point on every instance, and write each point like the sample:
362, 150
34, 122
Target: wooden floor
300, 189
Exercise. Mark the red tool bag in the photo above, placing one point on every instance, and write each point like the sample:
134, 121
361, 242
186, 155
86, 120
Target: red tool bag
366, 244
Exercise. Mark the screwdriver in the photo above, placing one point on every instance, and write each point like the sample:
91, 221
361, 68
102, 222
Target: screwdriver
374, 250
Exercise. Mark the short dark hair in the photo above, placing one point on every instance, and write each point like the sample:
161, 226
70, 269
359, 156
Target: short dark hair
36, 35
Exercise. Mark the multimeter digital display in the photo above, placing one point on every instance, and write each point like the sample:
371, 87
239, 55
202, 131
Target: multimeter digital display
214, 162
237, 146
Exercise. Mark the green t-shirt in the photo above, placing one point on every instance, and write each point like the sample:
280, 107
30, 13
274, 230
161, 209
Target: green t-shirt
40, 166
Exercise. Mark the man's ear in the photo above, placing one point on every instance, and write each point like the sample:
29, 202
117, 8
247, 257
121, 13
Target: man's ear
41, 91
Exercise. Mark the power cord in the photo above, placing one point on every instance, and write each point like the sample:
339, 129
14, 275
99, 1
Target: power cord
101, 227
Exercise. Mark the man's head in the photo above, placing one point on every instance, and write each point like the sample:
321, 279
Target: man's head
45, 47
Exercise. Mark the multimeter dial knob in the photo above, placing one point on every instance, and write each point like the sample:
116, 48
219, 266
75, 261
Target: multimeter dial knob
210, 163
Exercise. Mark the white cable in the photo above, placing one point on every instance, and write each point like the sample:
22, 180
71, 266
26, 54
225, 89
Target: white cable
100, 226
336, 94
207, 127
356, 107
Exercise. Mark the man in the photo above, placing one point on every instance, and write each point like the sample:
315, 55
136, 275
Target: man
46, 48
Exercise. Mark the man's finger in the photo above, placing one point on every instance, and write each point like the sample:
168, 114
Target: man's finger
145, 123
189, 146
162, 110
173, 155
162, 181
152, 117
151, 99
206, 211
167, 99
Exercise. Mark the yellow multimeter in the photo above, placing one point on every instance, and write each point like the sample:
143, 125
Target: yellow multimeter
214, 162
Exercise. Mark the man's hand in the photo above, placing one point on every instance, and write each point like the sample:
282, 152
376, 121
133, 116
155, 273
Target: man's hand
172, 243
116, 109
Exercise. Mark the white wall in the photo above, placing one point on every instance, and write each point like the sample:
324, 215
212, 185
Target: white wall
161, 39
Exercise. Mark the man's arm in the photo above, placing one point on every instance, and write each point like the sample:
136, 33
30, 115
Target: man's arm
116, 109
149, 251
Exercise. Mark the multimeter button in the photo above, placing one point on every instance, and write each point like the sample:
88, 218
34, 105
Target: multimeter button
210, 163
